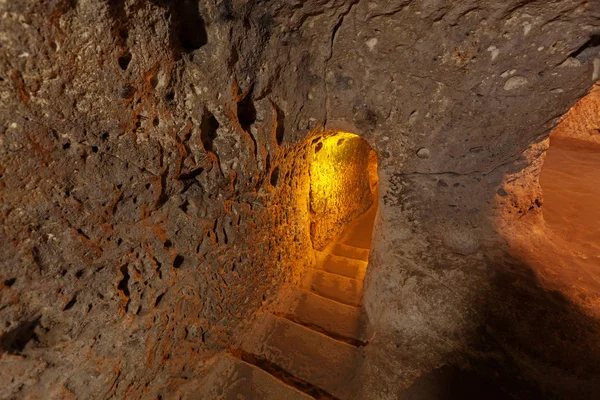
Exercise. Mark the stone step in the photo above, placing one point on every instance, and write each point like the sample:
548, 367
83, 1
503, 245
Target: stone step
344, 250
310, 356
333, 286
231, 379
343, 266
337, 320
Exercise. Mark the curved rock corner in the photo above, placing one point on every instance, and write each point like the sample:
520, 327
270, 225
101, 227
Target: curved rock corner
153, 155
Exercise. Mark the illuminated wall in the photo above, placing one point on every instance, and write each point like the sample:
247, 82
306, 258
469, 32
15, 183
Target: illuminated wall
339, 183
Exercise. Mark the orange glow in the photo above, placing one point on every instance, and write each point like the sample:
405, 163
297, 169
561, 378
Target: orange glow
343, 175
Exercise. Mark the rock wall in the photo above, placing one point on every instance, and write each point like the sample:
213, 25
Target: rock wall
146, 211
340, 187
579, 128
145, 152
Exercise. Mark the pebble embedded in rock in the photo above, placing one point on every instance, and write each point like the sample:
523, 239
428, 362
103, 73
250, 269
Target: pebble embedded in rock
423, 152
515, 82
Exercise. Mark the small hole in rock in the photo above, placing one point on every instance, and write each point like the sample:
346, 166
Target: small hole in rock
124, 60
10, 282
279, 130
123, 34
66, 146
246, 113
155, 121
184, 206
71, 303
123, 283
178, 262
154, 81
95, 149
208, 130
275, 176
158, 300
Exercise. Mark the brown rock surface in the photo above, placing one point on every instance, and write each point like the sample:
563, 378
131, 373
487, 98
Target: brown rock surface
154, 185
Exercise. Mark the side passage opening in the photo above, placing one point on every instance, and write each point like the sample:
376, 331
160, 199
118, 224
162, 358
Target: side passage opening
312, 338
343, 190
343, 204
570, 183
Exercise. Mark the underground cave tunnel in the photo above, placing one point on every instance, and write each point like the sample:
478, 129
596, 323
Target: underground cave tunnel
185, 214
343, 185
570, 183
311, 338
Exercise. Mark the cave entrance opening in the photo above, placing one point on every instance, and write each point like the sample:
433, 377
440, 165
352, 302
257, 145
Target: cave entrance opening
569, 180
343, 188
343, 200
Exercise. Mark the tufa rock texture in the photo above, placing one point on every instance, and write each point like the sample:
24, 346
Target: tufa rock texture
340, 189
154, 161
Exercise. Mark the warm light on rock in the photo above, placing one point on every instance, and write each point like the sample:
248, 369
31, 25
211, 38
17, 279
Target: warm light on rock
296, 199
340, 188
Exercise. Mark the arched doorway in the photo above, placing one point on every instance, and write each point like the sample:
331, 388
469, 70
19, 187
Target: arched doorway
343, 186
308, 344
343, 203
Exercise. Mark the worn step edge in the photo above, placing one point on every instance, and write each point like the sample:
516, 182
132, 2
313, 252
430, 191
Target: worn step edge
343, 266
349, 251
319, 329
309, 355
231, 376
282, 375
334, 319
308, 284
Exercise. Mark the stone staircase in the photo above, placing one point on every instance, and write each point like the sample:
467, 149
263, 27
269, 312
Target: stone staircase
309, 347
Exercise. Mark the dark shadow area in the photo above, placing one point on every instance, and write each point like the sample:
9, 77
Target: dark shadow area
188, 30
589, 49
536, 335
531, 342
536, 327
448, 383
280, 130
208, 130
15, 340
246, 112
124, 60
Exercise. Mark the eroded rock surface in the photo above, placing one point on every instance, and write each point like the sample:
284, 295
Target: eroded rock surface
152, 158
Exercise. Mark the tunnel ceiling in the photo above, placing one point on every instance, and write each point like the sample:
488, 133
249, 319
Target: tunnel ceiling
153, 154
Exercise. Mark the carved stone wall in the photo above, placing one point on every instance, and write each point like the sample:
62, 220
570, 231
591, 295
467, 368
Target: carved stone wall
152, 156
